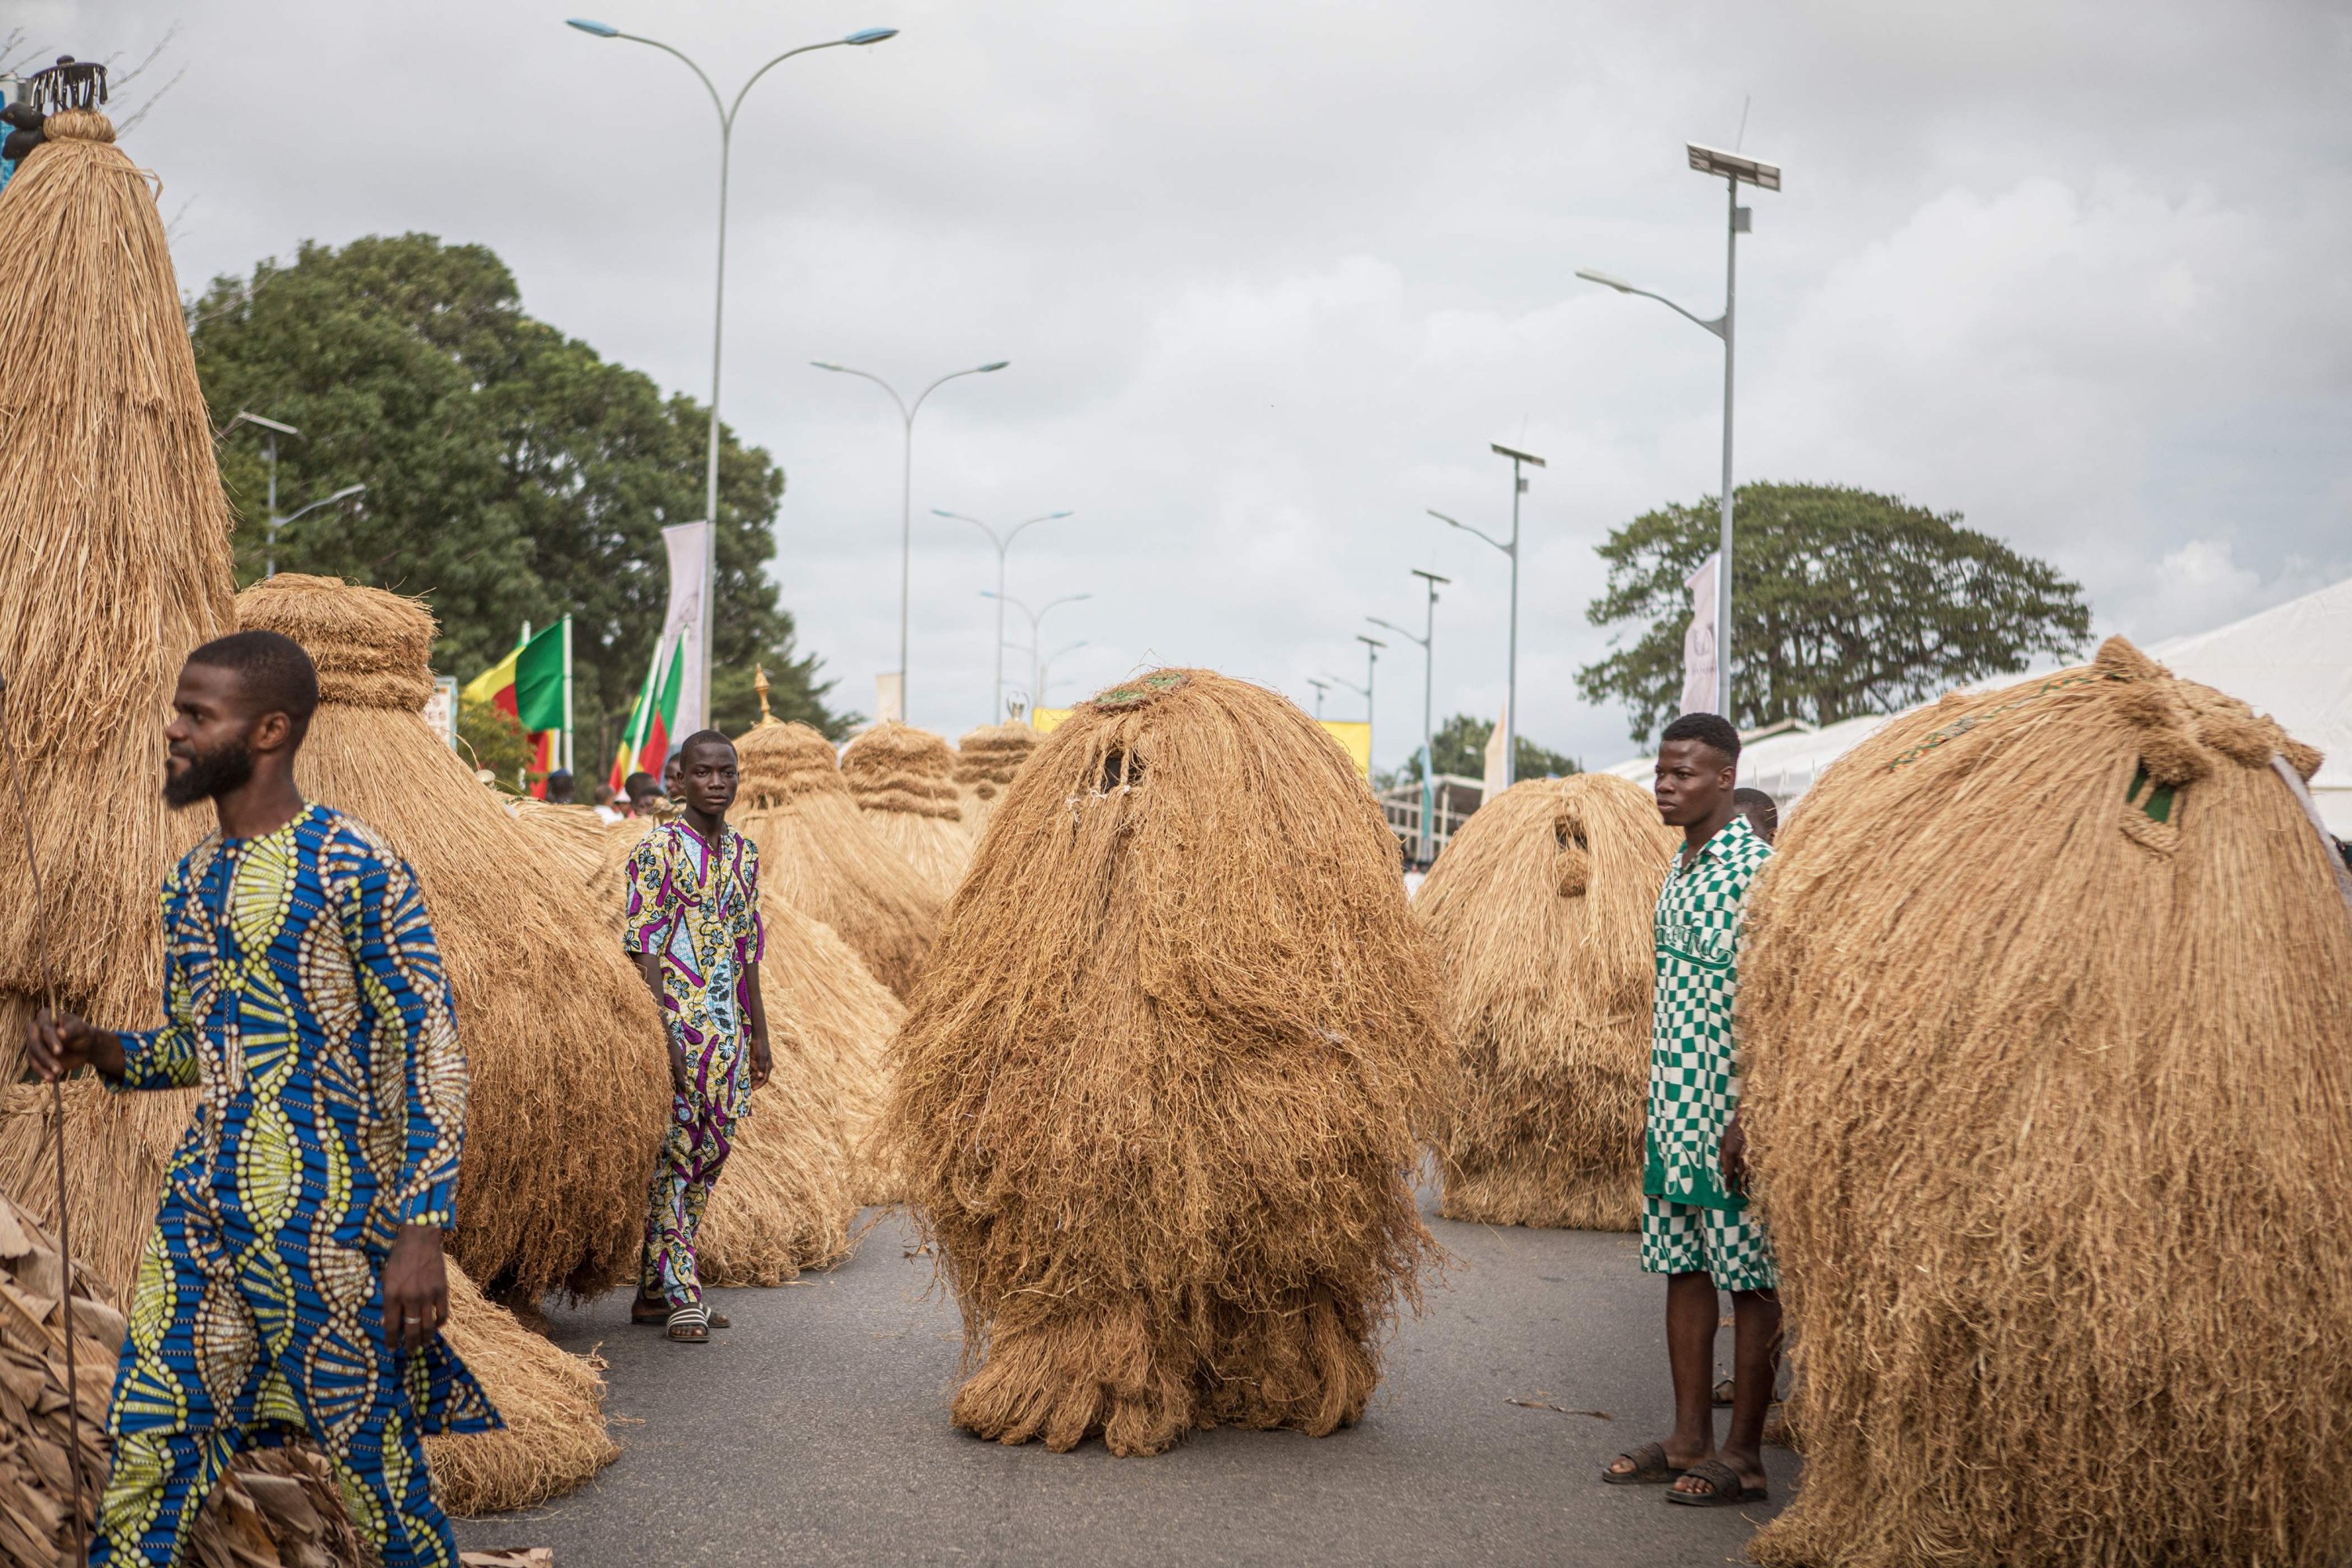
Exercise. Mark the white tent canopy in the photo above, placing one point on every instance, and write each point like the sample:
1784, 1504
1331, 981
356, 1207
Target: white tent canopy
2293, 662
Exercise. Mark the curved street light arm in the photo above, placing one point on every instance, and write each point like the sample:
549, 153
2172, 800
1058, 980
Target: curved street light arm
1409, 636
1057, 603
959, 517
780, 60
1049, 517
1363, 691
725, 117
344, 494
904, 412
975, 369
1457, 522
1618, 284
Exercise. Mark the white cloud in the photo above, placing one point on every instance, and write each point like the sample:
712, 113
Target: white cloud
1272, 275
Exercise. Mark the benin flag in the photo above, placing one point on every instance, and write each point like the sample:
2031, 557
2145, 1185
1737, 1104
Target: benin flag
644, 744
527, 684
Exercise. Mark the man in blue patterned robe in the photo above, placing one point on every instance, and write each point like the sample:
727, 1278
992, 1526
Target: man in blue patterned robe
293, 1283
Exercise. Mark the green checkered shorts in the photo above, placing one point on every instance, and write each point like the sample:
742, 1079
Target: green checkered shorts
1687, 1238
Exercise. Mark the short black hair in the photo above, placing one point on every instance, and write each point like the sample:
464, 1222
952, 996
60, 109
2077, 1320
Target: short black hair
272, 670
640, 780
703, 738
1707, 730
1760, 805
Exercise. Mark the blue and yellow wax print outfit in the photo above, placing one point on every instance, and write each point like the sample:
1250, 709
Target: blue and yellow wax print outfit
697, 904
1691, 1223
304, 996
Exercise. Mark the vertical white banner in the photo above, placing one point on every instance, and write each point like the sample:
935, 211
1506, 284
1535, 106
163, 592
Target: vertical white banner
1494, 754
889, 699
1698, 639
689, 545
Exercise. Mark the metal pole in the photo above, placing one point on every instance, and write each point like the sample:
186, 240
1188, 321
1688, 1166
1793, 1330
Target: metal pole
270, 547
1511, 685
996, 714
710, 473
1428, 733
1723, 566
1372, 684
567, 693
905, 552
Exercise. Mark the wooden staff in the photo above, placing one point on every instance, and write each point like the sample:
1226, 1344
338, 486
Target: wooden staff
57, 1109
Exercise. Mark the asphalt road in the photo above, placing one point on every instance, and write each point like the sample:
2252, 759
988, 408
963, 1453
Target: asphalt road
815, 1431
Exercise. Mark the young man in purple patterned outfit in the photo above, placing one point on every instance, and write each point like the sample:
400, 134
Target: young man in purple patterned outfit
693, 922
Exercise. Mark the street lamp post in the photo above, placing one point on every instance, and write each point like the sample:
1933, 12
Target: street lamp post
1372, 647
1733, 170
906, 412
1036, 619
719, 291
276, 522
1511, 686
1046, 668
270, 430
1321, 686
1428, 641
1003, 542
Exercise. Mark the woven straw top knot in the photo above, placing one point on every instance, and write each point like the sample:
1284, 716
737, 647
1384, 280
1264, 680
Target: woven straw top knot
373, 649
897, 767
778, 763
77, 125
991, 755
2186, 729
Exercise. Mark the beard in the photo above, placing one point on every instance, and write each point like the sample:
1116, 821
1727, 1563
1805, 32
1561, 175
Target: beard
209, 774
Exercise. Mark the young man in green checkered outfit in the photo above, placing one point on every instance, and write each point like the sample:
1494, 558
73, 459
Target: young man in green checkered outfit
1697, 1226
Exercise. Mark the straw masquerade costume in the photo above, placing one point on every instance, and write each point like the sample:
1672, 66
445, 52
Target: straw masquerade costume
695, 901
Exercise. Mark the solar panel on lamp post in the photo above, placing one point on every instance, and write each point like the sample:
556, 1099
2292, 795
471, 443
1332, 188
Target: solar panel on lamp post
1734, 169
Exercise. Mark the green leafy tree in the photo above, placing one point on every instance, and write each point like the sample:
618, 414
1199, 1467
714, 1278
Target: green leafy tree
512, 474
1460, 748
489, 738
1844, 602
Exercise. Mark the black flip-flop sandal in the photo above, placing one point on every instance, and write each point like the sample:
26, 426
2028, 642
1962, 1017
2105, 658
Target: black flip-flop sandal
656, 1315
1723, 1393
1725, 1488
1651, 1468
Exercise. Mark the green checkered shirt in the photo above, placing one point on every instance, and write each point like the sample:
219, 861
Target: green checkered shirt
1693, 1072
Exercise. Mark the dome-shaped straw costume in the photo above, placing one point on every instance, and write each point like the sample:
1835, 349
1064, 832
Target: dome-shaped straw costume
1159, 1094
570, 1089
2045, 1001
985, 762
1541, 909
903, 779
825, 857
114, 561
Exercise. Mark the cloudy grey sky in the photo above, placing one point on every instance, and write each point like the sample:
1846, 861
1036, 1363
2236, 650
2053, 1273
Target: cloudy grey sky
1272, 274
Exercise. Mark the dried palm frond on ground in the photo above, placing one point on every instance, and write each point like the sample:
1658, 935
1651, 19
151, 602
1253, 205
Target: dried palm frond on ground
552, 1402
1541, 909
2044, 1000
571, 1088
788, 1194
985, 763
118, 1147
114, 561
1159, 1097
277, 1508
903, 779
826, 859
